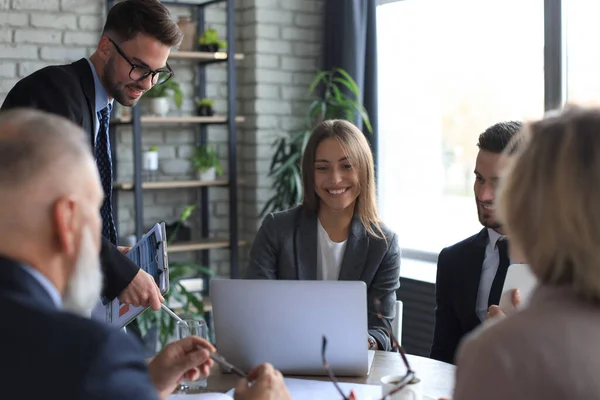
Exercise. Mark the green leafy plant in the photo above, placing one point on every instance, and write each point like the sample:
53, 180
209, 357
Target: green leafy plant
205, 103
211, 37
204, 158
335, 96
169, 88
190, 305
152, 148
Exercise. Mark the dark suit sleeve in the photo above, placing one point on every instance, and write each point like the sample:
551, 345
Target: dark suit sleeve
263, 254
447, 332
118, 372
56, 93
383, 287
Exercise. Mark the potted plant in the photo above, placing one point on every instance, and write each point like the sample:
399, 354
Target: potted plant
209, 41
335, 96
150, 159
158, 97
204, 107
206, 163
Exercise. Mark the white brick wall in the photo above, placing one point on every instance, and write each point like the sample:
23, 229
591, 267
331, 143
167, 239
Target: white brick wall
281, 41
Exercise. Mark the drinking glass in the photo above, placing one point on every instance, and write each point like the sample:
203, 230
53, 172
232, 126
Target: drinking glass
192, 328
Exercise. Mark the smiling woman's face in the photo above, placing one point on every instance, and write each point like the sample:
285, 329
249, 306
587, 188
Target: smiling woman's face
336, 180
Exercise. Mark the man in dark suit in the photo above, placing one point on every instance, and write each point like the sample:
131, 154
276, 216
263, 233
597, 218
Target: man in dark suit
130, 58
471, 273
50, 193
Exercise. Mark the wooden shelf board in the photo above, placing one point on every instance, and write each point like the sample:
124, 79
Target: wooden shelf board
205, 244
171, 184
202, 55
151, 119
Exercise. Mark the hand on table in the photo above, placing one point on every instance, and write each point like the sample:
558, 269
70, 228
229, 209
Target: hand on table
267, 384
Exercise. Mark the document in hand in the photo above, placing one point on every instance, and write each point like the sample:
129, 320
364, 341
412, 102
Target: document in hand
518, 276
150, 254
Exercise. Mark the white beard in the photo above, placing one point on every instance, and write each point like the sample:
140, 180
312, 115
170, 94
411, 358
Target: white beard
85, 285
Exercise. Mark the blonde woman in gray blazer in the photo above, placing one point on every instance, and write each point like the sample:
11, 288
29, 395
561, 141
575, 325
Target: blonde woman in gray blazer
549, 203
336, 233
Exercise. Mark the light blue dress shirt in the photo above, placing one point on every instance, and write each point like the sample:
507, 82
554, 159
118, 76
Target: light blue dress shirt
46, 284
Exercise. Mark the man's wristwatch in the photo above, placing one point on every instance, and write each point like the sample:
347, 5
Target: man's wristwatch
372, 342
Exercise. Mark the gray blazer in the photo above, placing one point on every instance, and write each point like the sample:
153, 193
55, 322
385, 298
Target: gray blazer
549, 350
285, 247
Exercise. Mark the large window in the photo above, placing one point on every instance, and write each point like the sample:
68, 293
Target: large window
583, 52
448, 69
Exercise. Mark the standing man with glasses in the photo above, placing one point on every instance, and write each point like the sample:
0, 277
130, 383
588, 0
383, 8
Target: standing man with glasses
131, 57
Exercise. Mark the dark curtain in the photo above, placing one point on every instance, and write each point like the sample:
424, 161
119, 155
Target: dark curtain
350, 43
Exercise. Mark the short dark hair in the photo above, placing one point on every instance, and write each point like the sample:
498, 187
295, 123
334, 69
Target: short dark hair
128, 18
498, 136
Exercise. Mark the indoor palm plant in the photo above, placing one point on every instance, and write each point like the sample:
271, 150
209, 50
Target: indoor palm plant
335, 96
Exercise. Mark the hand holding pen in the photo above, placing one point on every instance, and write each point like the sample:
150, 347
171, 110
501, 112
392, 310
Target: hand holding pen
219, 359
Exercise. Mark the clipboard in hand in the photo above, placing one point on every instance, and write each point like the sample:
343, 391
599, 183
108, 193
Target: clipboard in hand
150, 254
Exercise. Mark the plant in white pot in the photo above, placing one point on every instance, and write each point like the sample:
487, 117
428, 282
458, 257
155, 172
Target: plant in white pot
150, 159
158, 97
206, 163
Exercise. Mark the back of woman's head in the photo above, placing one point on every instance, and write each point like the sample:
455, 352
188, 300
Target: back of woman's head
357, 149
549, 200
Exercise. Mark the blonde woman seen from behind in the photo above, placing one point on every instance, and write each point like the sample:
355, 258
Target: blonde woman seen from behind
548, 202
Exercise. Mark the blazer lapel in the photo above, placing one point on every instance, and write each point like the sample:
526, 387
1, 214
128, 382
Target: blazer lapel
355, 255
86, 79
472, 274
306, 246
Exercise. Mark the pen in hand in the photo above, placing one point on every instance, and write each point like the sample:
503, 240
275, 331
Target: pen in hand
219, 359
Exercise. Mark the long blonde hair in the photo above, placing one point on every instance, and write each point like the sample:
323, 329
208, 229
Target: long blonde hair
357, 149
549, 200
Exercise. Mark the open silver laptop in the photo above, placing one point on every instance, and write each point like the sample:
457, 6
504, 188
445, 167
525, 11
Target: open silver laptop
283, 323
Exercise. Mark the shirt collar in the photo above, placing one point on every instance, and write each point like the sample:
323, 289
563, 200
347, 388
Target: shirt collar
101, 99
494, 237
46, 284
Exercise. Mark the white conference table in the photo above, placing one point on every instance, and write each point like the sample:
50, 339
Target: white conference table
437, 377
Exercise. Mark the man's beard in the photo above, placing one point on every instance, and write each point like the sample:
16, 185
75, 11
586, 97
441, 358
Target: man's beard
115, 89
85, 285
484, 220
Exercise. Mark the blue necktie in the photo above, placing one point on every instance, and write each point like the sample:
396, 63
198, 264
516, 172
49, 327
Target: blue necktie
104, 163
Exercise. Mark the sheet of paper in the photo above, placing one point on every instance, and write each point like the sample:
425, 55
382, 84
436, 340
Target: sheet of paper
518, 276
200, 396
306, 389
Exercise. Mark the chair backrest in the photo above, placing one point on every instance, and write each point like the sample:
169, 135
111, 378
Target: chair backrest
397, 322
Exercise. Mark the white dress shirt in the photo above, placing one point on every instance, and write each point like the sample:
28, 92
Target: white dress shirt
488, 272
329, 255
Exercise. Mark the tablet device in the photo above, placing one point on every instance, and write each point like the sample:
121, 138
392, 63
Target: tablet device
518, 276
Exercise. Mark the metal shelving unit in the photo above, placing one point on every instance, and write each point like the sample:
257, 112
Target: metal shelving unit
201, 60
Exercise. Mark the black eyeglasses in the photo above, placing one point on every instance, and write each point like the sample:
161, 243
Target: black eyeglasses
399, 385
141, 72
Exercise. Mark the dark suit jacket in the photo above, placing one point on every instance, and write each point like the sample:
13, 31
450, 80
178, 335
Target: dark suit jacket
457, 283
285, 247
52, 354
68, 91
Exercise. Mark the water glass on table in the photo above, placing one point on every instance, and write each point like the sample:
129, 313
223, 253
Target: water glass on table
192, 328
